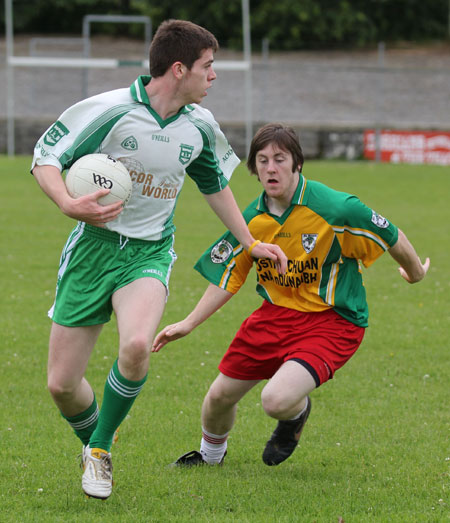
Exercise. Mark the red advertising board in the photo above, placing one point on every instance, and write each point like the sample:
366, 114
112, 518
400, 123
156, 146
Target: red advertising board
409, 146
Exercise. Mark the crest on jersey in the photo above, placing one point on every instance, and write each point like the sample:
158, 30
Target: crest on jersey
130, 144
185, 153
221, 252
55, 133
379, 221
309, 242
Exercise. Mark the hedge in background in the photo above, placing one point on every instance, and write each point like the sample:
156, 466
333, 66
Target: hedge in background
287, 24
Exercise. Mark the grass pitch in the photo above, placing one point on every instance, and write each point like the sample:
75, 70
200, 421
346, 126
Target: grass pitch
375, 447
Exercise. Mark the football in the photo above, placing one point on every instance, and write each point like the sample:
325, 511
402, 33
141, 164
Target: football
99, 171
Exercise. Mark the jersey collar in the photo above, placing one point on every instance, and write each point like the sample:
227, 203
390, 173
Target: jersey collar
139, 94
299, 198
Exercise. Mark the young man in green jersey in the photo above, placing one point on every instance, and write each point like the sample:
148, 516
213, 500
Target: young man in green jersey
313, 317
119, 259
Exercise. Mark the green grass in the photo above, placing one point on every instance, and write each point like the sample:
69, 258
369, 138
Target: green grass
375, 447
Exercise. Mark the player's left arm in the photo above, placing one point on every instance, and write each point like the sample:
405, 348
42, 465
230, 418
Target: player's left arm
211, 301
226, 208
411, 267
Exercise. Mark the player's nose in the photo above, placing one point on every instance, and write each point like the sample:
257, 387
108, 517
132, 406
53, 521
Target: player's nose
271, 167
212, 74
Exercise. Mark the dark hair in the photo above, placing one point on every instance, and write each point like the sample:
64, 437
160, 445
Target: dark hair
178, 41
284, 137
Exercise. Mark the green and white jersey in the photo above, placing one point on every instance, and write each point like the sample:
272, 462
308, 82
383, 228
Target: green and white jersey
158, 153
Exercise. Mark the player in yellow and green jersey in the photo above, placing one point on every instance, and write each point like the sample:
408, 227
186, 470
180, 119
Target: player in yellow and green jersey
313, 317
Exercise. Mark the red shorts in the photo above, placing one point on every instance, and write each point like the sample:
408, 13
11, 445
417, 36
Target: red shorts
320, 341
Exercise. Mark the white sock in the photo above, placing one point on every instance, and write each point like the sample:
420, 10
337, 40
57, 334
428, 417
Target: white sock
213, 446
301, 412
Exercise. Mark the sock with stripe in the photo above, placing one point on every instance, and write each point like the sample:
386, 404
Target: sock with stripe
118, 397
213, 446
84, 423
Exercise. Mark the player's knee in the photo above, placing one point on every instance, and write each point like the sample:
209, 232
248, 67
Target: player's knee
135, 350
59, 390
218, 398
274, 404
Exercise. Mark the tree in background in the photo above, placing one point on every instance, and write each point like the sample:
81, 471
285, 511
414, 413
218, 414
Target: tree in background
287, 24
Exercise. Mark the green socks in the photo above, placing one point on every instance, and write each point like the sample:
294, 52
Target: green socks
84, 423
119, 396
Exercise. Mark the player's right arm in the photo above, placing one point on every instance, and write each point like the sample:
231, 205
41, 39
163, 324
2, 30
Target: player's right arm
211, 301
85, 208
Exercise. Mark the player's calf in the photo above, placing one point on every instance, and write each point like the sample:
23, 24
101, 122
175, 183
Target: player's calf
285, 438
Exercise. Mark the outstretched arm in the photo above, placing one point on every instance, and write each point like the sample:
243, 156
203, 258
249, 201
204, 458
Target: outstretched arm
226, 208
213, 298
411, 268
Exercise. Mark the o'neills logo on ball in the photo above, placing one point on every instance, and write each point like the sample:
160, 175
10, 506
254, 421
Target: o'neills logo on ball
221, 252
102, 181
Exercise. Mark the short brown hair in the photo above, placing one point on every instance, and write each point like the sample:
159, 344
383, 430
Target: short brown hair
284, 137
178, 41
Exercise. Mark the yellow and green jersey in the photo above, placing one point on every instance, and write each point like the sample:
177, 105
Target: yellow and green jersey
325, 235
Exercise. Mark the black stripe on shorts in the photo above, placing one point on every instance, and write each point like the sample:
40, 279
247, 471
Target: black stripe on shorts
309, 368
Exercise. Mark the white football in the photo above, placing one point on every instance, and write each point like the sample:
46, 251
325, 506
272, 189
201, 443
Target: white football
99, 171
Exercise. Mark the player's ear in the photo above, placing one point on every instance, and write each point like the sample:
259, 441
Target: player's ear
178, 70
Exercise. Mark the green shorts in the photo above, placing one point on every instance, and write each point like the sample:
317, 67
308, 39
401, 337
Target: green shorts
97, 262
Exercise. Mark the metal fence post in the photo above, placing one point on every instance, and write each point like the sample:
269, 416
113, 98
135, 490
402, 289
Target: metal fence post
379, 101
248, 74
10, 128
120, 19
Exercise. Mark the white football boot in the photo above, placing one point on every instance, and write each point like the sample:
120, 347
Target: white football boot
97, 478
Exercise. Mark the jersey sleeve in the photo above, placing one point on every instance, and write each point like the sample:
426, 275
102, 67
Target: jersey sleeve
364, 234
225, 264
213, 168
80, 130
